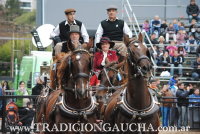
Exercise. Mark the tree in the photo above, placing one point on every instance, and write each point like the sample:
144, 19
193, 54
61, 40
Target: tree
13, 8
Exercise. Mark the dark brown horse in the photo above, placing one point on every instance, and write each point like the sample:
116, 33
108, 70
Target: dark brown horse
111, 77
73, 103
135, 104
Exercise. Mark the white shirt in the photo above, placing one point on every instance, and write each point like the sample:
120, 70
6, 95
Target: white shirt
84, 34
105, 54
99, 33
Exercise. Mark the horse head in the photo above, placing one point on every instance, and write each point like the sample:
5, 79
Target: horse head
139, 57
75, 71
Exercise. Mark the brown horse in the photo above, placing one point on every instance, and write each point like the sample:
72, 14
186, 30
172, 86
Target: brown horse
54, 70
134, 105
108, 83
73, 103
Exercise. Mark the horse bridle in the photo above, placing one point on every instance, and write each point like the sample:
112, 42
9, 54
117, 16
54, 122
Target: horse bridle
140, 71
78, 75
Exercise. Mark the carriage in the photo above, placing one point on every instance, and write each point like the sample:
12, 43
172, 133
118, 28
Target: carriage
73, 100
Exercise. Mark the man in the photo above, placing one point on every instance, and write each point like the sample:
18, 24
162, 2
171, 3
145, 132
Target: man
182, 102
114, 29
73, 42
152, 39
196, 69
155, 24
193, 11
62, 29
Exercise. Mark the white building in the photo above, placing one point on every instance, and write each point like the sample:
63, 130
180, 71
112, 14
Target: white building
27, 5
2, 2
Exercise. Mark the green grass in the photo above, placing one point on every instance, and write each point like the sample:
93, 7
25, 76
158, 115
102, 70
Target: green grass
28, 18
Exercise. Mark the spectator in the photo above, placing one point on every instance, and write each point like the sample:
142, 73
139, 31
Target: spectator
152, 39
181, 51
165, 59
175, 25
196, 69
170, 33
154, 83
193, 98
177, 61
155, 54
155, 25
193, 30
28, 115
161, 40
190, 48
166, 106
163, 28
193, 11
6, 87
146, 27
182, 102
173, 80
171, 48
198, 51
22, 91
37, 88
181, 25
181, 37
174, 109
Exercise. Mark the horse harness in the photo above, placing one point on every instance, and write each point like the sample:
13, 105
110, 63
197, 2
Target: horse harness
140, 71
76, 113
133, 113
61, 104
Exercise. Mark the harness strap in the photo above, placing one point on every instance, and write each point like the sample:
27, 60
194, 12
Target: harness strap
136, 113
76, 113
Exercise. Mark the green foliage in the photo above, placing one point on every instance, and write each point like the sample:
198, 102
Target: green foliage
26, 19
23, 47
13, 8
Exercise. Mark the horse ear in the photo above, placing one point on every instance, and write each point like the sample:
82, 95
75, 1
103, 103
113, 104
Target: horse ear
148, 54
140, 37
126, 40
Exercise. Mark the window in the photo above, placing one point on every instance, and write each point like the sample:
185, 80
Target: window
25, 4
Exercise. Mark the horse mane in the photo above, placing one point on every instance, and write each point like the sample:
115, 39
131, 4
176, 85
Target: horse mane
57, 59
63, 73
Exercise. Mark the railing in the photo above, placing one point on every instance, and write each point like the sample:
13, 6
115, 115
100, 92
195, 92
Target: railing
193, 111
132, 18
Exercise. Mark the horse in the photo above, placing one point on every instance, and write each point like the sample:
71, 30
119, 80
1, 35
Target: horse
110, 78
73, 102
54, 70
135, 104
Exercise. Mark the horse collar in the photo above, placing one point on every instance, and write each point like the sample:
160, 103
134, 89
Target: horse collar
136, 113
76, 113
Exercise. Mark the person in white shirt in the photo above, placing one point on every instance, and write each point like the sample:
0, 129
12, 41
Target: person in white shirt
114, 29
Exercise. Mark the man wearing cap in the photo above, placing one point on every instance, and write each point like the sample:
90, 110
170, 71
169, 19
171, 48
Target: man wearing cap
63, 28
105, 57
114, 28
73, 41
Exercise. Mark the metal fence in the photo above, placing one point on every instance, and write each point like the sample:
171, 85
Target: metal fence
193, 111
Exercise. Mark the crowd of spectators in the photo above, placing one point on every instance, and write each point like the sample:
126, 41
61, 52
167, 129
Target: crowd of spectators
173, 41
175, 99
